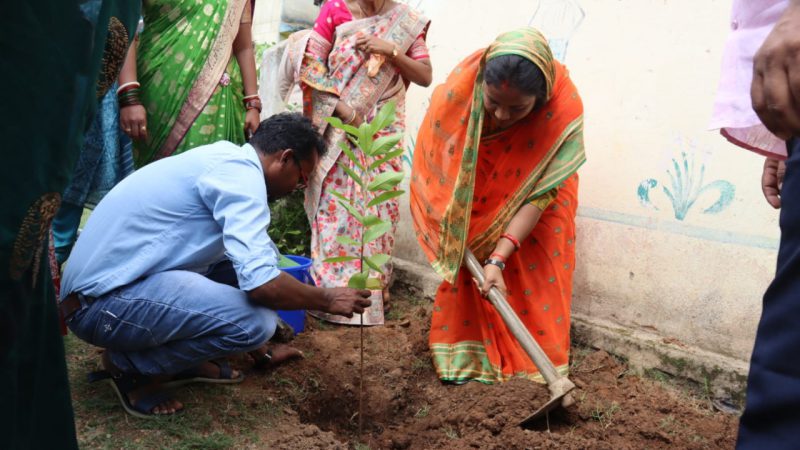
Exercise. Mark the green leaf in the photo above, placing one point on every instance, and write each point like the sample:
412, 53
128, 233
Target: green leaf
347, 240
365, 138
358, 281
370, 221
339, 259
386, 196
376, 231
388, 156
385, 143
374, 284
352, 174
376, 261
337, 123
339, 195
385, 181
353, 211
384, 117
349, 152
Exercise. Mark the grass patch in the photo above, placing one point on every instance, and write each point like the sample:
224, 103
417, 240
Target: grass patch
215, 417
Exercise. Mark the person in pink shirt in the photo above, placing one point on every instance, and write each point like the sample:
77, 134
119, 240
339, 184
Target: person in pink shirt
758, 108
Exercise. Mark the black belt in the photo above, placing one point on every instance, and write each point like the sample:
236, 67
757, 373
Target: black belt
71, 304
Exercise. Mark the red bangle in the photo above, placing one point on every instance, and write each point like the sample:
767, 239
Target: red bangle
497, 256
513, 240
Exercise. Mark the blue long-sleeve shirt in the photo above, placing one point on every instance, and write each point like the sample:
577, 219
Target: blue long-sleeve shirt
185, 212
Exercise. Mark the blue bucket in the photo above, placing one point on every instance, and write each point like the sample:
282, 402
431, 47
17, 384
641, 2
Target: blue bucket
297, 318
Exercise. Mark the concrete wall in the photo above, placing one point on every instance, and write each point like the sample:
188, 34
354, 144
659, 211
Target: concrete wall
688, 272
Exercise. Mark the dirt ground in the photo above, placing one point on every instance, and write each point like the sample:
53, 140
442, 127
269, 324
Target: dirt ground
313, 403
405, 407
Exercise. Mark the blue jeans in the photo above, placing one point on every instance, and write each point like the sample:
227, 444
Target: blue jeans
172, 321
771, 420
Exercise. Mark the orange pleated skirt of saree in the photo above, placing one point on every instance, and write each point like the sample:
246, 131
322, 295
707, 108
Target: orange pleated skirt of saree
468, 338
467, 183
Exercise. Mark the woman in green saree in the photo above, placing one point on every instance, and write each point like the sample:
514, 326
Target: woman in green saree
189, 91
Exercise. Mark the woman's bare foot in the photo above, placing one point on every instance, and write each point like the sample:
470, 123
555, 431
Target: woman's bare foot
167, 407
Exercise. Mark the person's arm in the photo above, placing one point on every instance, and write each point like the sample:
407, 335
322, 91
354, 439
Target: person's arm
243, 51
285, 292
416, 71
519, 228
775, 91
132, 118
234, 192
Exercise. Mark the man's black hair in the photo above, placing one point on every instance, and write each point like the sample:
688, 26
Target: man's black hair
288, 130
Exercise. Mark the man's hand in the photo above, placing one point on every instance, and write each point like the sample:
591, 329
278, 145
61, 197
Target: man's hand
772, 181
775, 92
347, 301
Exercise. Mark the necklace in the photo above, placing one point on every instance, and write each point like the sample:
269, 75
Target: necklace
361, 10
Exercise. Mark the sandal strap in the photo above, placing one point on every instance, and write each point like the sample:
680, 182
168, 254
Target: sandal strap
146, 404
225, 371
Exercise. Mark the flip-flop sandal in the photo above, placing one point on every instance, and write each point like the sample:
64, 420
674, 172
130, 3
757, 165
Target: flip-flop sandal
194, 375
123, 384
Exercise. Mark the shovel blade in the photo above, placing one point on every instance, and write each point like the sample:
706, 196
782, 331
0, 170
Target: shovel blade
551, 404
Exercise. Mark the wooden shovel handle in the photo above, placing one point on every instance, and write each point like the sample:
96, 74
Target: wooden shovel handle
513, 323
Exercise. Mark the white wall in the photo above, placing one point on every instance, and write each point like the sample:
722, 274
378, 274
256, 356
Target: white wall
647, 71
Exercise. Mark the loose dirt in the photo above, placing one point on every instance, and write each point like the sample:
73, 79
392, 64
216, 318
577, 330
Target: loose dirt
406, 407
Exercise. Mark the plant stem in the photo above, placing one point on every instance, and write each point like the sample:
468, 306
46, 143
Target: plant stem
364, 202
361, 381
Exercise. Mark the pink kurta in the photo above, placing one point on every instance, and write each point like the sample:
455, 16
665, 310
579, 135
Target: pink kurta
751, 22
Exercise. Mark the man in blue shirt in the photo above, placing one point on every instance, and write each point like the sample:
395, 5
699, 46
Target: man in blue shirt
140, 281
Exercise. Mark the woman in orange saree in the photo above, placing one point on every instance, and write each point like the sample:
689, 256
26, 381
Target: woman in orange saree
494, 170
331, 63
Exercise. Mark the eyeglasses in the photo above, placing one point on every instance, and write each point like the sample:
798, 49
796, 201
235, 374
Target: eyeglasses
302, 180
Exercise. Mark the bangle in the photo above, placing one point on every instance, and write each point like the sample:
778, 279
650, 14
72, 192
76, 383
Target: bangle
513, 240
129, 97
495, 262
352, 118
134, 84
253, 104
248, 97
497, 256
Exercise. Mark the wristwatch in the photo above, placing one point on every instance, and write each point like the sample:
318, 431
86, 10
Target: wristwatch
495, 262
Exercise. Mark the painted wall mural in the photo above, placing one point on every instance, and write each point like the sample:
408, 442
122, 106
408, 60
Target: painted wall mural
558, 20
683, 186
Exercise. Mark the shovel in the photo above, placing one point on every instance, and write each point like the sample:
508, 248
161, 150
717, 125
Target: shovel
558, 385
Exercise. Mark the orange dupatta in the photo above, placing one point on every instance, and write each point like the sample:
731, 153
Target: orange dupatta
465, 188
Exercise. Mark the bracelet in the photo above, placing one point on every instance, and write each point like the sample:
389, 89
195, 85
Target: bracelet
513, 240
134, 84
129, 97
495, 262
352, 118
497, 256
248, 97
254, 103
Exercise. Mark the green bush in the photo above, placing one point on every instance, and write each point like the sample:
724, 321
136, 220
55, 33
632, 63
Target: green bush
289, 228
